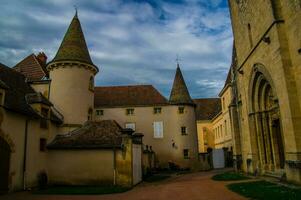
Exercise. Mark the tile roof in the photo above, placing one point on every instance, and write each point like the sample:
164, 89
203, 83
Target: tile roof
133, 95
179, 92
73, 46
207, 108
31, 68
92, 135
19, 95
16, 92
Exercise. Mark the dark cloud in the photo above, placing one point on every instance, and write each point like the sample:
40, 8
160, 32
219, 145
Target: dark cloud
133, 42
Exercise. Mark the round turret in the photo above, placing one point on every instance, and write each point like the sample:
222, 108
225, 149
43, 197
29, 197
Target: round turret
72, 77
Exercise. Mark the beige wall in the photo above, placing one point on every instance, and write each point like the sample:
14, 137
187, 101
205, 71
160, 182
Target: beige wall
13, 131
280, 63
205, 135
70, 93
221, 124
42, 87
172, 122
80, 167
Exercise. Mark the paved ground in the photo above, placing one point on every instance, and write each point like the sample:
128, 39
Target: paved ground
195, 186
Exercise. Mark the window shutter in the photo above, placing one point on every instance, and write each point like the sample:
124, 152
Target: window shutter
158, 129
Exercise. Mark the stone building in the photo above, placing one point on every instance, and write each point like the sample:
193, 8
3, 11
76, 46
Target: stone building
169, 126
266, 112
55, 122
206, 111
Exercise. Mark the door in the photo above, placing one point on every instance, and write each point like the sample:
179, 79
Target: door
4, 165
137, 168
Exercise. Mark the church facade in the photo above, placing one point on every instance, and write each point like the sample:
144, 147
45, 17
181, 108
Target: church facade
266, 110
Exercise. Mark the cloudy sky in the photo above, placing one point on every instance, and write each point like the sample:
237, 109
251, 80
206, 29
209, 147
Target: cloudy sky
131, 41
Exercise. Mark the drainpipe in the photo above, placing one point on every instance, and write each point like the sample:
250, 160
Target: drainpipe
114, 165
25, 153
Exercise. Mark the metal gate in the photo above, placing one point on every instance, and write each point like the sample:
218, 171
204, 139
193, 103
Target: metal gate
4, 165
137, 168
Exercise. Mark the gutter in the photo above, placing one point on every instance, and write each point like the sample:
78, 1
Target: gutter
25, 153
114, 166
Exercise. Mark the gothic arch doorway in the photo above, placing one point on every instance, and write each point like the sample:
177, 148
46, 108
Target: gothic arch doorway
4, 164
267, 121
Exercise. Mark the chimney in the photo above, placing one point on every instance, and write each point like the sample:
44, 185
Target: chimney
42, 58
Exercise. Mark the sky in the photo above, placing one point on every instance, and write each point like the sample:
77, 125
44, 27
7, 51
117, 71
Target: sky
131, 41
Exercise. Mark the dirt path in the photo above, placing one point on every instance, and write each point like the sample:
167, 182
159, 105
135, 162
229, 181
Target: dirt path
195, 186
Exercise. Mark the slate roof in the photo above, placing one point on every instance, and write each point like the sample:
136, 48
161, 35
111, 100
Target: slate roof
31, 68
92, 135
16, 92
133, 95
73, 46
179, 92
207, 108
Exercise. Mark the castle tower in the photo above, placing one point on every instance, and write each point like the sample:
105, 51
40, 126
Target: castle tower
183, 123
72, 77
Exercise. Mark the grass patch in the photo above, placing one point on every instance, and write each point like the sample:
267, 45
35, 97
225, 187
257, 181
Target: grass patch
82, 190
229, 176
156, 178
265, 190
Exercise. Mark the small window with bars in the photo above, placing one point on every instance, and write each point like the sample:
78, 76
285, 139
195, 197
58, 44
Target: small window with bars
157, 110
129, 111
181, 110
99, 112
184, 130
186, 153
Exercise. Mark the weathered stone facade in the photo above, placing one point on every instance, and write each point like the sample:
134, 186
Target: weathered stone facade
266, 112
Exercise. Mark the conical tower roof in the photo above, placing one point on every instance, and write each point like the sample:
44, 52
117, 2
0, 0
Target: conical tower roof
179, 92
73, 46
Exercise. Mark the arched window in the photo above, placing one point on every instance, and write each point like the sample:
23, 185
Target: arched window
91, 83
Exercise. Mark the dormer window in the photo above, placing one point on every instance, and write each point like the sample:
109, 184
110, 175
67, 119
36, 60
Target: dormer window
91, 83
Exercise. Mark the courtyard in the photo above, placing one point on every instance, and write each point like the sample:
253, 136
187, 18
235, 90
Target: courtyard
191, 186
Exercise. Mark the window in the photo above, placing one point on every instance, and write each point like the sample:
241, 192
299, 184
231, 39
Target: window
225, 127
90, 113
91, 83
130, 125
186, 153
181, 110
250, 35
43, 143
157, 110
99, 112
184, 130
44, 119
158, 129
130, 111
